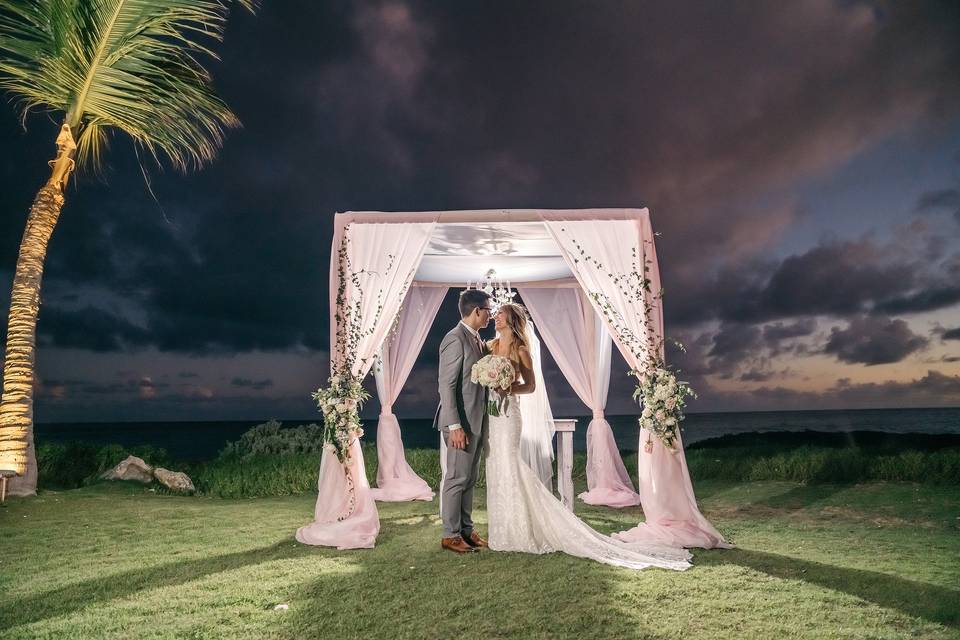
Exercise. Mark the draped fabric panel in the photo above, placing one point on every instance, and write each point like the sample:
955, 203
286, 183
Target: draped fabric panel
608, 482
360, 530
621, 246
396, 481
383, 257
581, 346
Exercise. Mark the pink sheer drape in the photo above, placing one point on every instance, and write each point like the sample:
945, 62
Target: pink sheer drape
621, 245
359, 531
384, 257
580, 344
396, 481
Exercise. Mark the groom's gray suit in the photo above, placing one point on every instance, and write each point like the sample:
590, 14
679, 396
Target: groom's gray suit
465, 403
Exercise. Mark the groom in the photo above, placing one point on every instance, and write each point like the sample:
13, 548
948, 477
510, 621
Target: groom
462, 421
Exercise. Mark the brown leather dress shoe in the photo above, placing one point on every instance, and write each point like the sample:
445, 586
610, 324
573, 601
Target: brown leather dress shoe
475, 541
455, 544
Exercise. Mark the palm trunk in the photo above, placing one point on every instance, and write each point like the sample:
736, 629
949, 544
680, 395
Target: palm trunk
16, 406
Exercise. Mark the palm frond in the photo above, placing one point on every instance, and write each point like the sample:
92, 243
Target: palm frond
133, 65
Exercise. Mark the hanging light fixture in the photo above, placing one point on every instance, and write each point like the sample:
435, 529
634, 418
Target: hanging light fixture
499, 290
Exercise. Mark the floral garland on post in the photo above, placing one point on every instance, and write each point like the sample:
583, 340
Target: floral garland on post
663, 396
341, 400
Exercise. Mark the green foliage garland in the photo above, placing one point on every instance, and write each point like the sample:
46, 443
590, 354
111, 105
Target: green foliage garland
662, 395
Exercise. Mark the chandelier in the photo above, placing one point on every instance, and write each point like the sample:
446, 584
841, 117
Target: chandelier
499, 290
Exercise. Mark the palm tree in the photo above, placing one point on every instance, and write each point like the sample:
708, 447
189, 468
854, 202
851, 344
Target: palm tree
130, 65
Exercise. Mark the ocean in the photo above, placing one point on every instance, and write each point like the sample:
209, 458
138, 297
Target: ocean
203, 440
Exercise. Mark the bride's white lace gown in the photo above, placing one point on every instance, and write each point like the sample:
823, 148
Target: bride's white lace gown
525, 516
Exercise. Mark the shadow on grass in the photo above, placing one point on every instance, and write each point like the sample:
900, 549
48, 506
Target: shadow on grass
706, 489
434, 594
407, 587
802, 496
607, 525
73, 597
931, 602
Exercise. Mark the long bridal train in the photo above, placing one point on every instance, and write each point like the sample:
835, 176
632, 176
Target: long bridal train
525, 516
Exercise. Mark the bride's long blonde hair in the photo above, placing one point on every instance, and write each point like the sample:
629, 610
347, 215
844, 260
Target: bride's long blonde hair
516, 317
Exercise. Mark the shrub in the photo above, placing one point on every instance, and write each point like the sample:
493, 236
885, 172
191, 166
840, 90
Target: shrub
68, 465
271, 438
271, 460
815, 464
258, 475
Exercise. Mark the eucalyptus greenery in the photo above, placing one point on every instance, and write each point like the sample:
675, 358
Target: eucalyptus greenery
341, 400
662, 395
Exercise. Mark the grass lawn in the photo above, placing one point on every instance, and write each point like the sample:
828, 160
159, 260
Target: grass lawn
826, 561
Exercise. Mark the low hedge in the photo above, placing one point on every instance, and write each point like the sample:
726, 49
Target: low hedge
271, 460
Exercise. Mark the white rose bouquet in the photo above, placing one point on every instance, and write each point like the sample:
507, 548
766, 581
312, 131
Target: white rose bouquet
663, 398
497, 374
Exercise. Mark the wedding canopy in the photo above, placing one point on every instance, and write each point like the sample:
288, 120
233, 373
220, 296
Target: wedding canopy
390, 272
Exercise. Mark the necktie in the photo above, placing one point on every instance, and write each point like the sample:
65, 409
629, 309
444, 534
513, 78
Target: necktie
479, 343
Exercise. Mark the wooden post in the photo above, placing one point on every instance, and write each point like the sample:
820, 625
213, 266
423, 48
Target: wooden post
3, 485
565, 428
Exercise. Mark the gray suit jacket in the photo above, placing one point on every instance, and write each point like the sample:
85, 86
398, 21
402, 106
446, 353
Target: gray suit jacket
461, 401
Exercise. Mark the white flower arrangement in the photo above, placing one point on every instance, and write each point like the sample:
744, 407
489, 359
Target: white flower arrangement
340, 404
497, 374
663, 398
341, 400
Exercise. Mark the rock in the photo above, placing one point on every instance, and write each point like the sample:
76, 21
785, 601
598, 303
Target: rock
175, 480
132, 468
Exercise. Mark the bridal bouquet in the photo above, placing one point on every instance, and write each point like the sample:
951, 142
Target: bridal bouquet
663, 398
497, 374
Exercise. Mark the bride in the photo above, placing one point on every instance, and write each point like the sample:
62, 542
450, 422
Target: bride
523, 513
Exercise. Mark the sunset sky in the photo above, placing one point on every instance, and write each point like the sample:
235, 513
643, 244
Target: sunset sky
801, 161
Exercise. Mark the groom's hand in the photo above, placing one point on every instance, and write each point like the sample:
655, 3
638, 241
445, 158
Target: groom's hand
458, 439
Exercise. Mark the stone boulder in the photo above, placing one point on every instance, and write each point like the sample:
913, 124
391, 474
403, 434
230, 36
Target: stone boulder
174, 480
132, 468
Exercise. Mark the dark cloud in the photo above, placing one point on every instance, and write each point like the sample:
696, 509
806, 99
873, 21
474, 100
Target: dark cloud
834, 278
256, 385
415, 106
928, 300
874, 340
941, 200
193, 404
778, 331
746, 351
933, 389
756, 375
731, 345
410, 101
838, 279
143, 388
951, 334
89, 328
777, 334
